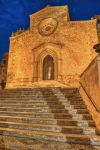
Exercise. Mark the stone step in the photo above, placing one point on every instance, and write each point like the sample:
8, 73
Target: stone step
37, 105
23, 98
78, 109
40, 114
29, 110
50, 128
21, 95
82, 111
77, 103
79, 106
58, 89
32, 90
20, 90
68, 92
39, 100
45, 109
50, 91
38, 89
59, 93
51, 136
13, 92
33, 106
28, 144
43, 103
71, 96
63, 99
38, 94
39, 97
53, 108
45, 115
50, 121
62, 95
74, 99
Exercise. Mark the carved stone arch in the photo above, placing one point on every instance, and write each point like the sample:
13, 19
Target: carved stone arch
40, 58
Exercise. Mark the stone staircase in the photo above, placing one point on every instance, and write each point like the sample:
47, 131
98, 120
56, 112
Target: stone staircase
51, 113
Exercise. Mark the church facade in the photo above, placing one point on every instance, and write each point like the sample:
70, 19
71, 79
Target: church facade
53, 48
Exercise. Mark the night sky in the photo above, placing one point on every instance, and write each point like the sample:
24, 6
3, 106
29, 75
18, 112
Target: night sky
15, 14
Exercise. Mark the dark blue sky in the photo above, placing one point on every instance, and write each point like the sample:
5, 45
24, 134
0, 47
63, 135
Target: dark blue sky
15, 14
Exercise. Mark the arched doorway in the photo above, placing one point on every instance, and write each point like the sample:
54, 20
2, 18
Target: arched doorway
48, 68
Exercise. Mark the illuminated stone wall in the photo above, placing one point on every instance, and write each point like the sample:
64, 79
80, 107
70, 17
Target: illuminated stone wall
70, 43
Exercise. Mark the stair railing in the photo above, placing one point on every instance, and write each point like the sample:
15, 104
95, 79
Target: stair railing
90, 87
90, 82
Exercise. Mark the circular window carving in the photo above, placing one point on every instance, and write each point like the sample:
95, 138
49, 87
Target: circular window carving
47, 26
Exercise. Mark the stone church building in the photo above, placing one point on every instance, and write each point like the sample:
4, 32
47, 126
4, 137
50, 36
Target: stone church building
53, 51
53, 48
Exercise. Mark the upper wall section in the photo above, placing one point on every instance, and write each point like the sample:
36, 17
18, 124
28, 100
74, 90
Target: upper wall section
57, 12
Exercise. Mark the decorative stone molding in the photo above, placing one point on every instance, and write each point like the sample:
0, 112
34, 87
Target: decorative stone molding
18, 32
45, 45
47, 26
39, 63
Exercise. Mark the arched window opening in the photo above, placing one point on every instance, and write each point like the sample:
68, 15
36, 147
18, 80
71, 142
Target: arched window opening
48, 68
